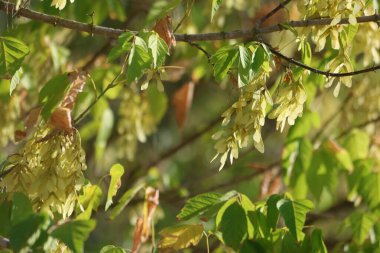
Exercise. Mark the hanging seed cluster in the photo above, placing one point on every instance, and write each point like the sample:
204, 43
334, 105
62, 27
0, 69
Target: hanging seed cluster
136, 122
8, 119
49, 169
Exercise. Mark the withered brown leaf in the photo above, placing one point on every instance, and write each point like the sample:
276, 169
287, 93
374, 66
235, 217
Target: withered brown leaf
164, 28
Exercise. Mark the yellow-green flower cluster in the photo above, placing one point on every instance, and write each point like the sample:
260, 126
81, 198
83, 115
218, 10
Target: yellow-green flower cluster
48, 169
340, 64
289, 104
367, 43
335, 9
244, 120
365, 98
136, 122
10, 112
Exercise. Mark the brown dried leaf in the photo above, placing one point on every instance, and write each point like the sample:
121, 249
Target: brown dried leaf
275, 185
164, 28
19, 135
271, 183
333, 146
32, 118
182, 100
61, 119
137, 235
78, 80
151, 202
376, 139
142, 229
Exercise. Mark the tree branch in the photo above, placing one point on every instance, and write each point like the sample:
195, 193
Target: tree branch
112, 32
318, 71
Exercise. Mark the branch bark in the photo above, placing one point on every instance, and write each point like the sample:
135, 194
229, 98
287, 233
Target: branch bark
8, 7
318, 71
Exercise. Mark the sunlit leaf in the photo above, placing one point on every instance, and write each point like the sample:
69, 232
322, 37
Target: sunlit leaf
90, 200
117, 170
12, 53
158, 48
223, 59
215, 6
139, 60
180, 237
198, 204
369, 188
357, 144
360, 224
112, 249
104, 132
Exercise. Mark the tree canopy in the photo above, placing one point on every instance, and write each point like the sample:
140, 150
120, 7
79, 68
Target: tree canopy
190, 126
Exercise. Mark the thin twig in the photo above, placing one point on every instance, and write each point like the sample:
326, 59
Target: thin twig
197, 46
187, 13
84, 113
318, 71
271, 13
238, 34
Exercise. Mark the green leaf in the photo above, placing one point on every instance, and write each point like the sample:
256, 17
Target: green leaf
180, 237
5, 214
104, 132
294, 214
222, 60
125, 199
248, 208
317, 243
12, 53
90, 199
232, 222
215, 6
344, 158
52, 94
158, 102
357, 144
198, 204
112, 249
306, 52
117, 170
74, 233
260, 224
245, 73
322, 173
297, 164
21, 208
369, 188
160, 9
139, 60
158, 48
122, 46
362, 168
16, 78
27, 231
272, 211
360, 223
